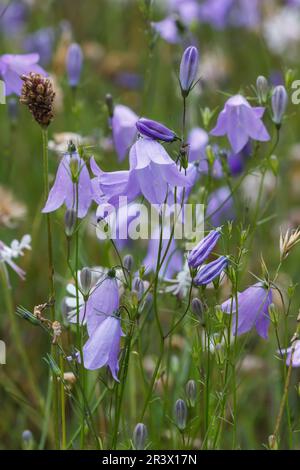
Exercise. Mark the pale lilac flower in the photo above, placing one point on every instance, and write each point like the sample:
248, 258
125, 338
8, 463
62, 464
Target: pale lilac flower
74, 62
64, 190
188, 10
15, 250
12, 66
98, 273
215, 12
101, 313
152, 173
252, 310
167, 29
197, 141
240, 122
220, 207
41, 42
13, 17
210, 271
155, 130
123, 129
103, 346
296, 356
188, 69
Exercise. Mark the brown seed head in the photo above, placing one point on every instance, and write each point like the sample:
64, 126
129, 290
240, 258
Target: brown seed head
38, 95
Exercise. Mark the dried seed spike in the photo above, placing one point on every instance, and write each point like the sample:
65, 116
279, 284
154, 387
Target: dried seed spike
38, 95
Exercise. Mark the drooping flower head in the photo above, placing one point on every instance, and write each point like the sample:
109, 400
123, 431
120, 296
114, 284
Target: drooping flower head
101, 313
72, 171
152, 173
12, 67
240, 122
74, 62
123, 129
252, 310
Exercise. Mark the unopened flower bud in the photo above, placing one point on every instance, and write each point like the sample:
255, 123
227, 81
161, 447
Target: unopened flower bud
262, 88
140, 436
155, 130
188, 69
74, 64
180, 414
273, 442
27, 440
138, 287
279, 103
70, 222
191, 392
85, 280
128, 262
197, 309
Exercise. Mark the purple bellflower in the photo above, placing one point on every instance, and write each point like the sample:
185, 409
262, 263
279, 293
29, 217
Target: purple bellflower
155, 130
103, 347
253, 310
290, 356
240, 122
42, 42
12, 67
64, 190
167, 29
123, 129
104, 326
74, 62
208, 272
152, 173
188, 10
201, 251
220, 207
188, 69
197, 141
12, 17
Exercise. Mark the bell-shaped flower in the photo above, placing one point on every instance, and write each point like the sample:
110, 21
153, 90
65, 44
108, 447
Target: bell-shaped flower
123, 129
72, 171
292, 354
103, 346
13, 66
220, 207
152, 173
252, 310
240, 122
